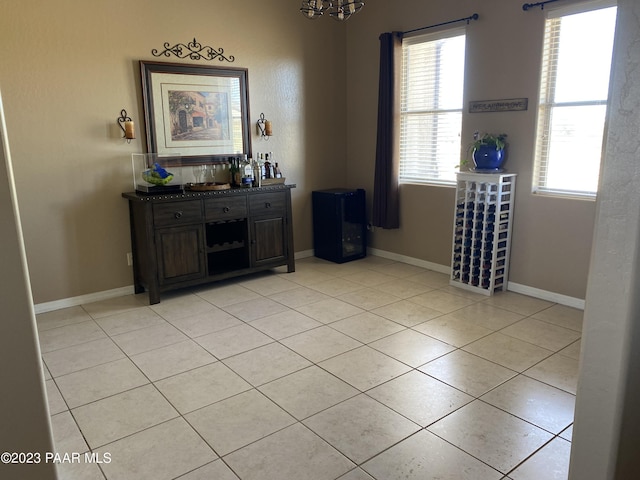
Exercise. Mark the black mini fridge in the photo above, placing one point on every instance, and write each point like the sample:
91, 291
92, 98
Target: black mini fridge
339, 224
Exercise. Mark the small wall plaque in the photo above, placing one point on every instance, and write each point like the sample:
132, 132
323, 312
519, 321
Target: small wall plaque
508, 105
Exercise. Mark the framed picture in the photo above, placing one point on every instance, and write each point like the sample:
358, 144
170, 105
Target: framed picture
199, 113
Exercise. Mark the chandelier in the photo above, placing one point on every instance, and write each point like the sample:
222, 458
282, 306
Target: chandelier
338, 9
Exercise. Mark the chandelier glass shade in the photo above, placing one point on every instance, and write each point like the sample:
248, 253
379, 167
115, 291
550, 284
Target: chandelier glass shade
336, 9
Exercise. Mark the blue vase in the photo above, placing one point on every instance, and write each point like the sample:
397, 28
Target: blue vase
486, 157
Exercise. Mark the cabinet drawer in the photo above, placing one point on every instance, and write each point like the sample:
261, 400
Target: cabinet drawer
227, 208
267, 203
177, 213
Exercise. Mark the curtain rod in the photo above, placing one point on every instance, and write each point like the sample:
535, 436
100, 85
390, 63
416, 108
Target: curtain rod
527, 6
475, 16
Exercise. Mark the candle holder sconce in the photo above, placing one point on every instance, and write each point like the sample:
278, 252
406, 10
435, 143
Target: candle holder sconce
127, 126
264, 127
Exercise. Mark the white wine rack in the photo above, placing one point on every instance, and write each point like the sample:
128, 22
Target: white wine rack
483, 219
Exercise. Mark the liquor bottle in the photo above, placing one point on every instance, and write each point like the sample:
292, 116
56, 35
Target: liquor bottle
247, 177
257, 174
234, 172
267, 166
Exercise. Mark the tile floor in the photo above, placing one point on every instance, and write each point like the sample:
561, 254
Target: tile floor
369, 369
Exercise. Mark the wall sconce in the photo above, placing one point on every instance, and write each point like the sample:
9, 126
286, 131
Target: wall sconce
127, 126
264, 127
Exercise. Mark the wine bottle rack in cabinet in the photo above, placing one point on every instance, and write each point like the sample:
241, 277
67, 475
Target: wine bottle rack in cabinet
482, 231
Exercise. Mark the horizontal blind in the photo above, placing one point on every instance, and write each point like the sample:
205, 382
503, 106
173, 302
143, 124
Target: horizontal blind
431, 107
574, 85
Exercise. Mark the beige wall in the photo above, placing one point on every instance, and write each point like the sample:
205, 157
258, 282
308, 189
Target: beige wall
552, 236
70, 66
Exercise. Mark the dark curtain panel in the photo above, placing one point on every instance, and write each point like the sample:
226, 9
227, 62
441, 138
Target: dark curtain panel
386, 207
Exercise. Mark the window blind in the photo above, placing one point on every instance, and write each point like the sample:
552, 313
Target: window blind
574, 86
431, 107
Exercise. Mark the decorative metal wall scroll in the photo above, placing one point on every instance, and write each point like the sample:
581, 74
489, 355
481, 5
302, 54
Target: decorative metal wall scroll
508, 105
193, 50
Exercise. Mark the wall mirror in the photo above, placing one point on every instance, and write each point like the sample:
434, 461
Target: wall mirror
199, 113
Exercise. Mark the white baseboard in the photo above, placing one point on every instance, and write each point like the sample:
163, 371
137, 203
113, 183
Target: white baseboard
83, 299
436, 267
546, 295
513, 287
303, 254
117, 292
107, 294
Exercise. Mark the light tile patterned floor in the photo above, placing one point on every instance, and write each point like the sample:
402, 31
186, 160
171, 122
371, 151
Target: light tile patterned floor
372, 369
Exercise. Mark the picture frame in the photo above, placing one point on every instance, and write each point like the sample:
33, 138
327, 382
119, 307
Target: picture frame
199, 113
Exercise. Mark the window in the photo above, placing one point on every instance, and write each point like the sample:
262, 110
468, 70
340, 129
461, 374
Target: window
431, 107
574, 90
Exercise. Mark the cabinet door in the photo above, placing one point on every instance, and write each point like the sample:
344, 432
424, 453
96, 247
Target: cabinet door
269, 240
180, 254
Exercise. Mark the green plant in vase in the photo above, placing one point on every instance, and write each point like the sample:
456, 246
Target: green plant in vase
487, 151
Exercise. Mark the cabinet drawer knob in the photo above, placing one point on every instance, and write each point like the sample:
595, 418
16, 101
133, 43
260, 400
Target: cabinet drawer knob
226, 209
267, 205
178, 215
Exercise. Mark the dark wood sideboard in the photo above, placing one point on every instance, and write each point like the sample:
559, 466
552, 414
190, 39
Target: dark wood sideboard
192, 238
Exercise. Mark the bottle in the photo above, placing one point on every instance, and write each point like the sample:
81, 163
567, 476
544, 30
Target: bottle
276, 171
257, 174
247, 177
234, 172
273, 165
267, 166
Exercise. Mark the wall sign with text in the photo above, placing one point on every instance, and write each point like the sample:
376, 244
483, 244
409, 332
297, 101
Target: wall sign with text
508, 105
